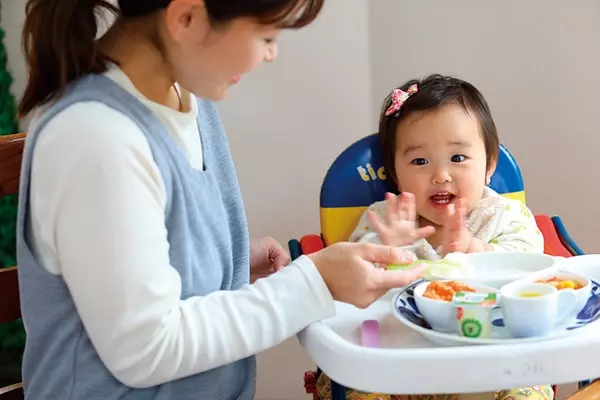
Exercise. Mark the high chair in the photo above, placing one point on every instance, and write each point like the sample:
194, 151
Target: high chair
356, 179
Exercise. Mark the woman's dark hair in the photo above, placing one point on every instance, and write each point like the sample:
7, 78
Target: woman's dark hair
59, 36
434, 92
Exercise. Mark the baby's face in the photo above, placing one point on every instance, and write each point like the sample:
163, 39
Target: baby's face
440, 156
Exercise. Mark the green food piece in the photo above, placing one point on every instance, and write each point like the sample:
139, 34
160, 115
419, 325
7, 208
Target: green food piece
395, 267
434, 268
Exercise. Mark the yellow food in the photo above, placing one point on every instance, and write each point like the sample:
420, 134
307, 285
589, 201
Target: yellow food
530, 294
562, 283
444, 291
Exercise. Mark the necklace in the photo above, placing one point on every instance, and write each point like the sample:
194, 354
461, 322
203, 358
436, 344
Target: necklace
180, 108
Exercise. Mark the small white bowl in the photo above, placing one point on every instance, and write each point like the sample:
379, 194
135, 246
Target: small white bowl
441, 315
583, 293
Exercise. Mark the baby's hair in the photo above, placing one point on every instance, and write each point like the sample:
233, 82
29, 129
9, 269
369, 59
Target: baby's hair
60, 36
434, 92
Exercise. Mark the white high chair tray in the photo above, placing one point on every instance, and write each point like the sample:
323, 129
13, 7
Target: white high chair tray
406, 362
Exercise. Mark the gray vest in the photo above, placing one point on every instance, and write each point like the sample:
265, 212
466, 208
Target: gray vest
208, 238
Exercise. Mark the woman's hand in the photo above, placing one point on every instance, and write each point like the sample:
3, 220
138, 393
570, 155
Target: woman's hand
400, 225
266, 257
350, 273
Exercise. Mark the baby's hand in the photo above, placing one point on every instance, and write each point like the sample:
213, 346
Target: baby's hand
399, 227
456, 237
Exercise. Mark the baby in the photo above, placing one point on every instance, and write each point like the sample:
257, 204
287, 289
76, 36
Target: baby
440, 148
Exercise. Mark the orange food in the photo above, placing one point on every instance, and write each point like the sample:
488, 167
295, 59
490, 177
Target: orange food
561, 283
444, 291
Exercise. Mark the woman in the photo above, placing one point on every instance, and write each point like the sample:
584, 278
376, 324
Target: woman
133, 248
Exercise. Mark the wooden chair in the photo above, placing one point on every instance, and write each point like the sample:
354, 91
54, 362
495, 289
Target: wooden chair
11, 153
12, 392
588, 392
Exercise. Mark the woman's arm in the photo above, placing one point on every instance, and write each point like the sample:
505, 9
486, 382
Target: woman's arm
97, 213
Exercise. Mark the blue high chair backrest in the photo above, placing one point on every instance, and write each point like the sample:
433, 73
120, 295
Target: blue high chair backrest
357, 179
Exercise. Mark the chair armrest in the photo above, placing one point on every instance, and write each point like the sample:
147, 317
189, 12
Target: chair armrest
12, 392
565, 238
295, 249
552, 243
311, 243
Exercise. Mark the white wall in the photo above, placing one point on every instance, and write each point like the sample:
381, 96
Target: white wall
286, 122
13, 15
536, 62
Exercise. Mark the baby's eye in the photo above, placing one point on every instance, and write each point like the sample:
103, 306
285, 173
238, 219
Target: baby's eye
458, 158
419, 161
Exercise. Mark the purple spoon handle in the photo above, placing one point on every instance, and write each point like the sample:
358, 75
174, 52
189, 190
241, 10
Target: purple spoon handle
370, 333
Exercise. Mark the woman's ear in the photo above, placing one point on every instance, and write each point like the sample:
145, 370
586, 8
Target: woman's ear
181, 14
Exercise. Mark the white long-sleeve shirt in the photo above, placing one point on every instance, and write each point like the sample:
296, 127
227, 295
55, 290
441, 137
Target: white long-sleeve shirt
97, 215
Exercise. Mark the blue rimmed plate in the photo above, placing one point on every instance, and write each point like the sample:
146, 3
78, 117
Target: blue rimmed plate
406, 311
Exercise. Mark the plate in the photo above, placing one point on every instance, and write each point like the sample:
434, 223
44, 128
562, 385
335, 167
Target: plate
405, 309
587, 265
494, 269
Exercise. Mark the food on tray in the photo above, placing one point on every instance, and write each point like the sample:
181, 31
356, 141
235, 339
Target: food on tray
474, 313
450, 267
528, 295
438, 290
561, 283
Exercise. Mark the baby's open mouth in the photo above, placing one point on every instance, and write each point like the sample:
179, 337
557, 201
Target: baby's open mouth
442, 198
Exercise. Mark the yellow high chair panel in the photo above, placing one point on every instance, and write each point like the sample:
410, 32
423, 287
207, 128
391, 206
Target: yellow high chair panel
357, 179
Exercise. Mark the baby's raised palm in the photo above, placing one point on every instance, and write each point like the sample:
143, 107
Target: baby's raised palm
400, 225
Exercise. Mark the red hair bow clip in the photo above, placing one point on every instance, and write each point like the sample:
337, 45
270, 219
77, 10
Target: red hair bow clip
399, 97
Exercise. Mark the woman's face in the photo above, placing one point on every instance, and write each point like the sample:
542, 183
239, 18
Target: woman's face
206, 60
